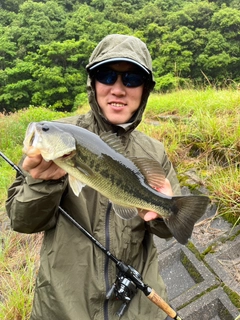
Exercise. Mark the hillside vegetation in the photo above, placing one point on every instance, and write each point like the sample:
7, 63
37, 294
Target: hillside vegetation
45, 45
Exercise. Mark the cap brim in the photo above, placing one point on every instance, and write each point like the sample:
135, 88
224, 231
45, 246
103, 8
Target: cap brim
112, 60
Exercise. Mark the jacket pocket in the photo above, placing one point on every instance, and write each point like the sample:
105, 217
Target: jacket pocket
131, 239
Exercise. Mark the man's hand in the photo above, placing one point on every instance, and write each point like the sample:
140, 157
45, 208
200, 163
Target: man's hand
41, 169
149, 215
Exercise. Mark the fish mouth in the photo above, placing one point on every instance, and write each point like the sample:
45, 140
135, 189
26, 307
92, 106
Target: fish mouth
28, 145
60, 156
31, 139
68, 156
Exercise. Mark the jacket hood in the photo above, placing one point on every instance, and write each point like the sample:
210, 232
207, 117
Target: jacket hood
114, 48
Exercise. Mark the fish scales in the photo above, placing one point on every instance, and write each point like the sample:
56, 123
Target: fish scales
108, 180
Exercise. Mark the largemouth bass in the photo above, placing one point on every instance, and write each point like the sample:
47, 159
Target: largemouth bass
100, 162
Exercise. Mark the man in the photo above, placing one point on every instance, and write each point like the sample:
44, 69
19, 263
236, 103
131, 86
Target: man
74, 274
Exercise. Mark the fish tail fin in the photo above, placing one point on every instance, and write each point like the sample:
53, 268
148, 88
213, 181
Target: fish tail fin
186, 210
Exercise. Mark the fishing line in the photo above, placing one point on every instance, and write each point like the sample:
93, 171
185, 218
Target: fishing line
128, 279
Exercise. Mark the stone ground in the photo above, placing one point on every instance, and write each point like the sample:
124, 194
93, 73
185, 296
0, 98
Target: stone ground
197, 275
196, 287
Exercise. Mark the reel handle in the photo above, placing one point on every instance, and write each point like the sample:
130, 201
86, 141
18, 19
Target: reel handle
155, 298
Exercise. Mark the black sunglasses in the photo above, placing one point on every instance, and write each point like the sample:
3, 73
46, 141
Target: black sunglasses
130, 79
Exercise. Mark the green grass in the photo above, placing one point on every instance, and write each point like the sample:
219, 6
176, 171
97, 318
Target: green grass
18, 267
200, 130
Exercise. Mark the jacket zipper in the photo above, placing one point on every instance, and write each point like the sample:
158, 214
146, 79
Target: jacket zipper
106, 265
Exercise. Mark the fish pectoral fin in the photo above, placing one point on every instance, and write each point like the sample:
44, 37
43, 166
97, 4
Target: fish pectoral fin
125, 213
76, 185
152, 171
186, 211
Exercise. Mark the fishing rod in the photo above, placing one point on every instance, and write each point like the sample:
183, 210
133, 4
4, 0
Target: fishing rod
128, 279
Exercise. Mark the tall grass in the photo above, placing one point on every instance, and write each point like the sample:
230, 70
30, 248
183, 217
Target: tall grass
18, 267
200, 131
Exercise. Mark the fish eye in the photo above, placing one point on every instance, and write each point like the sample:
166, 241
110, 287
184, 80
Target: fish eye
45, 128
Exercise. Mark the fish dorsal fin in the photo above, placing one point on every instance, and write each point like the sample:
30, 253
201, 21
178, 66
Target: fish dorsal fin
113, 141
152, 171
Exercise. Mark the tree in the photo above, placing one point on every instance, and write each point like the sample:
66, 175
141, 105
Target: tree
149, 14
6, 17
59, 74
86, 23
177, 19
39, 23
169, 5
200, 13
7, 50
227, 21
215, 59
11, 5
17, 90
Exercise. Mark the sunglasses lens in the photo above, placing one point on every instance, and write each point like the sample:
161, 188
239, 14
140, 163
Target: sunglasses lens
106, 76
133, 80
129, 79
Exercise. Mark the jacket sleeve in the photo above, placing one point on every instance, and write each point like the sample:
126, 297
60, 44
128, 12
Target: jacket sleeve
32, 205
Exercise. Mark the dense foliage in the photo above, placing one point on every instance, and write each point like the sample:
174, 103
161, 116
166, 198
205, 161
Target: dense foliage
45, 45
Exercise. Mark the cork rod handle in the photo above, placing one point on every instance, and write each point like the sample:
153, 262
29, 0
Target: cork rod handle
155, 298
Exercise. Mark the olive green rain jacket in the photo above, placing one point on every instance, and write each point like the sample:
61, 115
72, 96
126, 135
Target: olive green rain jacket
74, 274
